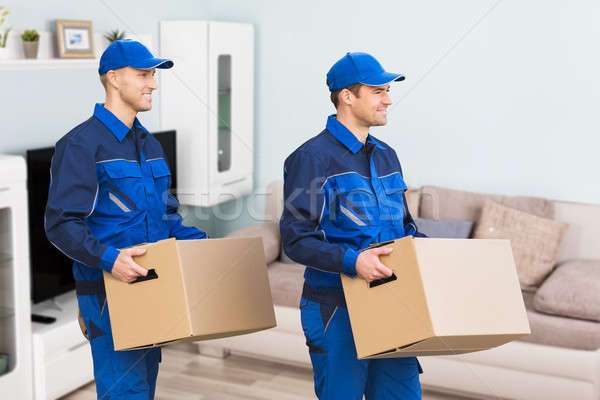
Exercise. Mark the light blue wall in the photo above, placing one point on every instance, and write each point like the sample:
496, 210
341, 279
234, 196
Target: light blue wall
38, 107
500, 96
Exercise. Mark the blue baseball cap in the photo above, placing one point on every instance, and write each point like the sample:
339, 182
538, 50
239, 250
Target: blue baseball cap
129, 53
359, 68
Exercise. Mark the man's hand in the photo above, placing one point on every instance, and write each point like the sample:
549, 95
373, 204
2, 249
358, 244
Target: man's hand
125, 269
369, 267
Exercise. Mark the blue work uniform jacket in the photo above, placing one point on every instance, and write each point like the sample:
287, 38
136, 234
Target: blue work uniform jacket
340, 197
109, 189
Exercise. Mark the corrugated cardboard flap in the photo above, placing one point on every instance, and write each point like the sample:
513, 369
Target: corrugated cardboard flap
391, 313
227, 286
472, 287
449, 345
152, 311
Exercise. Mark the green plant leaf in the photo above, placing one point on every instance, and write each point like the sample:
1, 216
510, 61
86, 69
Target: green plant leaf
30, 35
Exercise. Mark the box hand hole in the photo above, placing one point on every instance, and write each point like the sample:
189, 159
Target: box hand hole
382, 281
151, 275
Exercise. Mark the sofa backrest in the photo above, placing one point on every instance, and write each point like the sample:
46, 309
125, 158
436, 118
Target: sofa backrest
274, 201
443, 203
582, 240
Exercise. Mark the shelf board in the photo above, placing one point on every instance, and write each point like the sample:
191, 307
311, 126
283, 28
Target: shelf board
6, 313
48, 63
47, 59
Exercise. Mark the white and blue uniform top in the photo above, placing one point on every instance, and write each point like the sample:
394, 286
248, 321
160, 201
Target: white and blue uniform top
340, 197
109, 189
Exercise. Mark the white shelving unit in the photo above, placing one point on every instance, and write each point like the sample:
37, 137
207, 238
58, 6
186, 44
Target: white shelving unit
49, 63
208, 99
62, 358
48, 57
15, 321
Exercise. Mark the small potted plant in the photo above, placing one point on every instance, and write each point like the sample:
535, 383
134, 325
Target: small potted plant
3, 33
114, 35
31, 41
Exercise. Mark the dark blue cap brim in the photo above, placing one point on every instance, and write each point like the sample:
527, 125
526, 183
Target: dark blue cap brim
382, 79
148, 63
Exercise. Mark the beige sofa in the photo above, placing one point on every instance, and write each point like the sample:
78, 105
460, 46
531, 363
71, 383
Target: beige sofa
559, 360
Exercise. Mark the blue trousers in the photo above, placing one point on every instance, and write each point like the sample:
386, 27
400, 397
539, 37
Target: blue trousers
129, 374
338, 374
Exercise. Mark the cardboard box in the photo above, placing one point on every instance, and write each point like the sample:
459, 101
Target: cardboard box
205, 289
451, 296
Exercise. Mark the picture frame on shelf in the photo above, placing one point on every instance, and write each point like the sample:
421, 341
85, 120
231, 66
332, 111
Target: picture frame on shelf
75, 39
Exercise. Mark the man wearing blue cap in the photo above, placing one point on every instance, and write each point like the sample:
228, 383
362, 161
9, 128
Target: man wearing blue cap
344, 191
110, 189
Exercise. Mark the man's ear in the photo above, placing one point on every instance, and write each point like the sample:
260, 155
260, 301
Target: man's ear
346, 97
112, 79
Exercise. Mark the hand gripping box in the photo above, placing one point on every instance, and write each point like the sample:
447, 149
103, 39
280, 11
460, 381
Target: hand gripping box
195, 290
447, 296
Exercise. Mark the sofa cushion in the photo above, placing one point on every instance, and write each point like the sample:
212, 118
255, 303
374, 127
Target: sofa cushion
572, 290
286, 282
444, 228
442, 203
535, 241
553, 330
269, 232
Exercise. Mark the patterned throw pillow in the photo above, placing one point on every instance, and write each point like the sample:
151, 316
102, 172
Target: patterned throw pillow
535, 241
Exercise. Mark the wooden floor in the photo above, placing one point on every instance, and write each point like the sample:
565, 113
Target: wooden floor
185, 375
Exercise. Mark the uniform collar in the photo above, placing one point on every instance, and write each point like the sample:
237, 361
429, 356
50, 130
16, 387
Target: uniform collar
114, 124
347, 138
377, 143
341, 133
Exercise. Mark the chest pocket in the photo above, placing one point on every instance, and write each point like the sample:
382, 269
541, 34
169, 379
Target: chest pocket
394, 188
162, 177
123, 185
354, 203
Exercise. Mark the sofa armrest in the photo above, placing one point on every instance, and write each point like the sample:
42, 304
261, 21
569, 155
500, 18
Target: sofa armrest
269, 232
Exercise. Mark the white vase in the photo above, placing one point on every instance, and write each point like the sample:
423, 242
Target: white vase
3, 53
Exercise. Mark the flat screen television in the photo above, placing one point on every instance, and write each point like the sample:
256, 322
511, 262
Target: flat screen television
51, 270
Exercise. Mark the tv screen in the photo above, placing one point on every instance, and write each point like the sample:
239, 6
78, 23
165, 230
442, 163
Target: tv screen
167, 141
51, 270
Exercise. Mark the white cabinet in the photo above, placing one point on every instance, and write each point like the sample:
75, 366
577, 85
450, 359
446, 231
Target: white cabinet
15, 303
208, 99
62, 358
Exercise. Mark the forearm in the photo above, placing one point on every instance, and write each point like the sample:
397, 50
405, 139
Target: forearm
311, 249
73, 238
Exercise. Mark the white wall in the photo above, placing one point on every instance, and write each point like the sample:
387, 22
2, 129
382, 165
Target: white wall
500, 96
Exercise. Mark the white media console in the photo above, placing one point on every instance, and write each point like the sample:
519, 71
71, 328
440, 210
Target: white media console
62, 359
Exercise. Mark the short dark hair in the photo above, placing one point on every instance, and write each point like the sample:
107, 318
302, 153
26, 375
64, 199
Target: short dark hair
334, 95
103, 80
